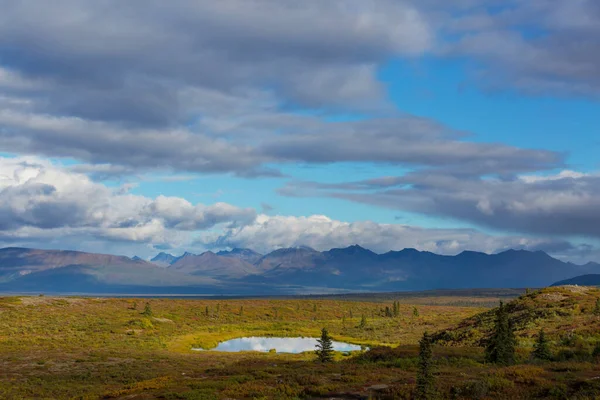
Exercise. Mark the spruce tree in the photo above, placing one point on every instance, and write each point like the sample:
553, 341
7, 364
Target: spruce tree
425, 379
597, 307
541, 348
415, 312
396, 308
596, 351
388, 312
363, 322
147, 310
501, 345
324, 346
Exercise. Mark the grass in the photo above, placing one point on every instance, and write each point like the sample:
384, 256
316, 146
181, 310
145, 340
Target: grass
94, 348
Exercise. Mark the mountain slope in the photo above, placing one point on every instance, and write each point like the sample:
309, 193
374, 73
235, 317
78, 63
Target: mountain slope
582, 280
359, 269
212, 265
22, 268
164, 259
548, 308
247, 255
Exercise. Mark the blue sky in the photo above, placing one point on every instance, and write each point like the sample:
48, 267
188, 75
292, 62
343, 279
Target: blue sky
443, 126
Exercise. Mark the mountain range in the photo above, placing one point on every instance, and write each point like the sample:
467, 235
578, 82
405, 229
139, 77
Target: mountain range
283, 271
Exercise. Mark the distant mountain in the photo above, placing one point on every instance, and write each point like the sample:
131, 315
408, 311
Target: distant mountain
31, 269
247, 255
286, 270
582, 280
284, 260
136, 258
213, 265
163, 259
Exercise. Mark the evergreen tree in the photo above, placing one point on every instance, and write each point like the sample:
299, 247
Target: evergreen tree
147, 310
396, 309
501, 346
388, 312
206, 311
415, 312
315, 308
425, 378
596, 351
241, 311
597, 307
363, 322
324, 346
541, 348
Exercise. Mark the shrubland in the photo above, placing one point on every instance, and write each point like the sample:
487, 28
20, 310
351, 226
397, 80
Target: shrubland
69, 347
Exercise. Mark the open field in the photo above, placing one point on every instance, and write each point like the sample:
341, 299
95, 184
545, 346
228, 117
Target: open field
55, 348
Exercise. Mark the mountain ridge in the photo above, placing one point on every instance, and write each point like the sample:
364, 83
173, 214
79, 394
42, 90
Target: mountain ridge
352, 268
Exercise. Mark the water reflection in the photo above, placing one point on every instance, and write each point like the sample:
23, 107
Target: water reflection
279, 344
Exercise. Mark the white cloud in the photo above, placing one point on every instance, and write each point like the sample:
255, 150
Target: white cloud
37, 196
268, 233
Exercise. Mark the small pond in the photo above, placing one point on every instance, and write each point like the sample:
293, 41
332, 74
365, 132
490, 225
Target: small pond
279, 344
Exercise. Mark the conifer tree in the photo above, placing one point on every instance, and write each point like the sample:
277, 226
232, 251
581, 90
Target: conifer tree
363, 322
501, 346
425, 378
388, 312
596, 351
415, 312
597, 307
241, 311
206, 311
396, 308
147, 310
541, 348
324, 346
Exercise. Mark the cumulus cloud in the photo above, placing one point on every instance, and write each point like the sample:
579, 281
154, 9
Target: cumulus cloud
45, 205
322, 233
39, 199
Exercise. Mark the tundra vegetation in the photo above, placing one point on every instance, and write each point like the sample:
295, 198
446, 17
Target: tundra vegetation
543, 344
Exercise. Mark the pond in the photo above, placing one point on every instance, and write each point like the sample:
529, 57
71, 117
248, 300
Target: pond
279, 344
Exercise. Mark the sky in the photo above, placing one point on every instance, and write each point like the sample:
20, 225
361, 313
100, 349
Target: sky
144, 126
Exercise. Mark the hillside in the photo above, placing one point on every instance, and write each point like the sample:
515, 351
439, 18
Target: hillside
582, 280
565, 313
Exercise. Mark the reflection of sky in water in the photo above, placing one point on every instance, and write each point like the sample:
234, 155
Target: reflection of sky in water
281, 345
